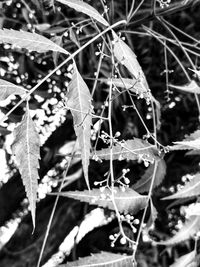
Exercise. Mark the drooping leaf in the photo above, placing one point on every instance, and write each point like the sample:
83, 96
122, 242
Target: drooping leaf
127, 201
85, 8
185, 260
29, 40
26, 148
191, 87
7, 89
79, 103
103, 259
191, 189
135, 149
189, 229
143, 184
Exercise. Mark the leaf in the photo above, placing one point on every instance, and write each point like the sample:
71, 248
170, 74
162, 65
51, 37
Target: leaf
26, 149
79, 103
126, 57
136, 86
143, 184
4, 131
29, 40
103, 259
73, 37
7, 89
153, 216
135, 149
191, 189
127, 201
191, 141
189, 229
85, 8
185, 260
191, 87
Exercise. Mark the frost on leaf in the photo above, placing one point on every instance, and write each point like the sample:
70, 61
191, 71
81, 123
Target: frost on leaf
191, 87
127, 201
26, 149
85, 8
191, 189
7, 89
103, 259
189, 229
135, 149
79, 103
143, 184
29, 40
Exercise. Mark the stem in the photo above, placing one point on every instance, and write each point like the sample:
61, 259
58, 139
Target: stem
59, 66
54, 207
145, 210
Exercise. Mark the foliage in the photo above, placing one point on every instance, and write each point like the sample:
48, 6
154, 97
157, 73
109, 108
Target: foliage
112, 65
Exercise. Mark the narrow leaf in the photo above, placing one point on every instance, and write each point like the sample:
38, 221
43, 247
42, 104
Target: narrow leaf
79, 103
26, 149
126, 57
127, 201
191, 189
103, 259
191, 87
185, 260
143, 184
85, 8
7, 89
29, 40
135, 149
189, 229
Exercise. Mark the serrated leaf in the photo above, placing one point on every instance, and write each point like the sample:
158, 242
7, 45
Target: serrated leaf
29, 40
135, 149
128, 201
191, 189
191, 87
143, 184
8, 88
103, 259
185, 260
79, 103
191, 141
189, 229
26, 149
85, 8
